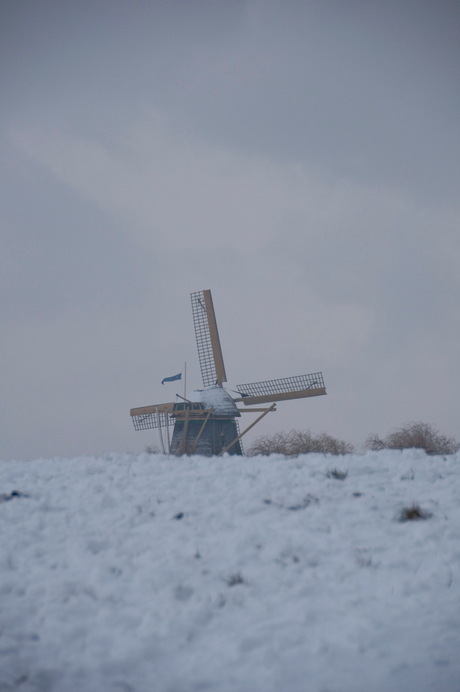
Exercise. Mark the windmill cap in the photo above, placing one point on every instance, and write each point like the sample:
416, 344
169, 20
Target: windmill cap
218, 398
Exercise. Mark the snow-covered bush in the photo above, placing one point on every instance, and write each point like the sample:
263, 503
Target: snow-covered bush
415, 435
338, 474
413, 513
298, 442
235, 579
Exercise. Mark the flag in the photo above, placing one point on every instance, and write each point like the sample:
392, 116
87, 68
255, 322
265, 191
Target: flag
172, 378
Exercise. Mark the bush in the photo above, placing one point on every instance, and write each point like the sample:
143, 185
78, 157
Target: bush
419, 435
278, 443
298, 442
235, 579
413, 513
337, 474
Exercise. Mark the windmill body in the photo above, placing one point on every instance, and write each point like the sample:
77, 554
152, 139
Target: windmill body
206, 435
207, 422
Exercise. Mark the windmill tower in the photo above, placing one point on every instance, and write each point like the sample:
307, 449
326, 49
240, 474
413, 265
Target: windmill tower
207, 422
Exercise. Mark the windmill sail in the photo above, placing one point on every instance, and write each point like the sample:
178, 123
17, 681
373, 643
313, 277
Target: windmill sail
282, 389
151, 417
207, 339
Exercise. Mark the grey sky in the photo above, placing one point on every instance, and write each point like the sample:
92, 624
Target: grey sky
301, 159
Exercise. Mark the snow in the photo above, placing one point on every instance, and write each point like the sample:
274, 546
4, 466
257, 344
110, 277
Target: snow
216, 397
154, 574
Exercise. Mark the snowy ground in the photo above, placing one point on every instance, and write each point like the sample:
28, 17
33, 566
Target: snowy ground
155, 574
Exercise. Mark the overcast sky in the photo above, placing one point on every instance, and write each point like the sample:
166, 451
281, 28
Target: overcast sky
300, 159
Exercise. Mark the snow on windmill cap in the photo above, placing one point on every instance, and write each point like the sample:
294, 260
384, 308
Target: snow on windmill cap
218, 398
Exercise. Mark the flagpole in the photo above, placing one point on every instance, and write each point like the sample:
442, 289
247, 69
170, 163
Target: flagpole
185, 380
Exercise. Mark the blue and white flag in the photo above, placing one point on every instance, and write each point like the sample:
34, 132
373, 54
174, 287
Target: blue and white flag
172, 378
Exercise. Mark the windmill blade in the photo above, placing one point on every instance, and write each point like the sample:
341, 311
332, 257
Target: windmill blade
207, 339
151, 417
283, 389
161, 415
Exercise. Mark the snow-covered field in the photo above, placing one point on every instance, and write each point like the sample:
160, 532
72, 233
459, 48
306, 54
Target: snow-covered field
156, 574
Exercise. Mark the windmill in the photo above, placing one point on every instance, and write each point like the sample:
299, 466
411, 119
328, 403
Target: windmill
207, 422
